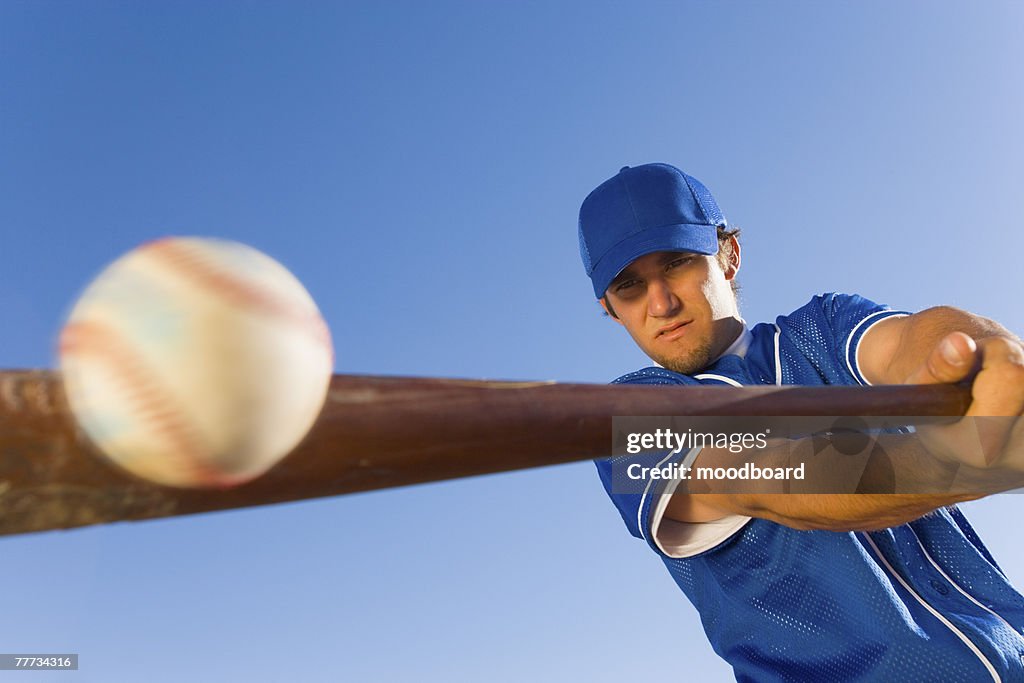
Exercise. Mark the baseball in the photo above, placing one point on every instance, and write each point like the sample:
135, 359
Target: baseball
196, 362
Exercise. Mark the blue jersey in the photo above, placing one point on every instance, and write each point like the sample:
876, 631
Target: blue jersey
924, 601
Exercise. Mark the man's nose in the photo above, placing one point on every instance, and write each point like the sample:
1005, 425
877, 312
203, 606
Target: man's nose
661, 302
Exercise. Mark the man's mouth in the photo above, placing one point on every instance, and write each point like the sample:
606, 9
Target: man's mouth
673, 331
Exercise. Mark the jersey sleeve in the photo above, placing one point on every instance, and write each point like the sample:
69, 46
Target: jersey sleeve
642, 504
823, 338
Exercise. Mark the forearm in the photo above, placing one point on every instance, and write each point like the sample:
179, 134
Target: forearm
836, 512
893, 481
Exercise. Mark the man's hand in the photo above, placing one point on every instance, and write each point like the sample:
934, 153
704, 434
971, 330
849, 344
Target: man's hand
990, 434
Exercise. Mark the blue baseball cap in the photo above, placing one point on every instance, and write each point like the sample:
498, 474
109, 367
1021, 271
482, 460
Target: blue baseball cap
654, 207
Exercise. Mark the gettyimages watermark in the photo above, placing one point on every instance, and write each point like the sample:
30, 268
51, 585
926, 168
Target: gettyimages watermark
833, 455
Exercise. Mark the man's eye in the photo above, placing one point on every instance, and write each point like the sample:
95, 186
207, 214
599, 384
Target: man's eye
623, 286
682, 260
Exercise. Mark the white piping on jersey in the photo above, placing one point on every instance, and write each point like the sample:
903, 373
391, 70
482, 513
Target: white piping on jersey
778, 360
853, 333
967, 641
720, 378
956, 585
640, 509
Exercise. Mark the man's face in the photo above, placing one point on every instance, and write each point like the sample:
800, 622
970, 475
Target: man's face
679, 307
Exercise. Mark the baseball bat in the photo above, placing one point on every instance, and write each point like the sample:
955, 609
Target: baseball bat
382, 432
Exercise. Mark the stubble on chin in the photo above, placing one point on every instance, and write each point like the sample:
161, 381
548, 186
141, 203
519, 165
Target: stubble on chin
691, 363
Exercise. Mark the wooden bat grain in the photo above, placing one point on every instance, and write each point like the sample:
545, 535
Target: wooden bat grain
382, 432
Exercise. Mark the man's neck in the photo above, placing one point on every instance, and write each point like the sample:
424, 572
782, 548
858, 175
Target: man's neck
739, 337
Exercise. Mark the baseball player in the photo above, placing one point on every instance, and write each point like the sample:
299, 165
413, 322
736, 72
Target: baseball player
847, 587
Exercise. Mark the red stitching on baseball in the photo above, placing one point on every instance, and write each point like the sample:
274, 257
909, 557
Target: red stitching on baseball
155, 406
193, 263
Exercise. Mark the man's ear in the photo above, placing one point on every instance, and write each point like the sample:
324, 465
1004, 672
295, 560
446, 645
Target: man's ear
608, 309
734, 259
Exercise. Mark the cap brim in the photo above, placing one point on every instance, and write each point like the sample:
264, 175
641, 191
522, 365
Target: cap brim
700, 239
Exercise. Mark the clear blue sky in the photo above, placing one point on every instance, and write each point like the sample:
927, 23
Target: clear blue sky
419, 166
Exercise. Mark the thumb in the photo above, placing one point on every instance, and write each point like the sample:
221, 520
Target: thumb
950, 361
